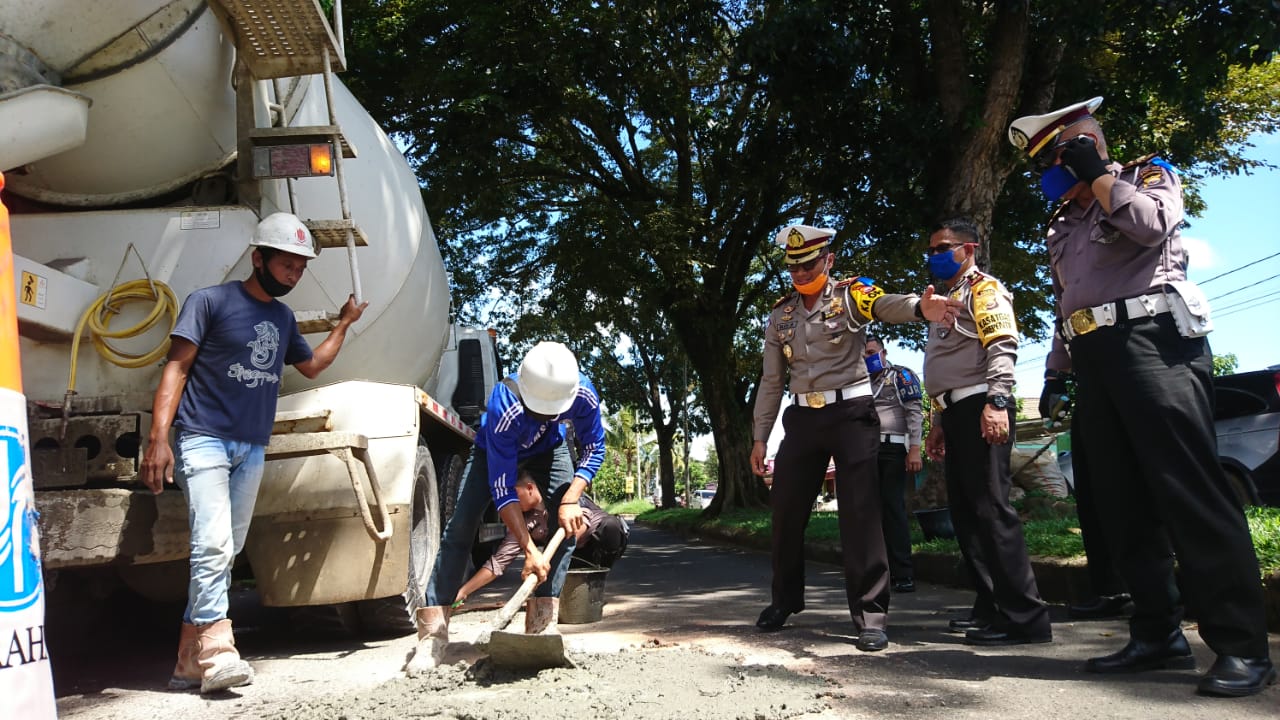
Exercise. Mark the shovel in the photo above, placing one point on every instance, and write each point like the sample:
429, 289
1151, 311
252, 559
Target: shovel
518, 650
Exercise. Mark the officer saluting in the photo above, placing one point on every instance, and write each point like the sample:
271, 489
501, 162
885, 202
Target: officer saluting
968, 372
1134, 328
815, 337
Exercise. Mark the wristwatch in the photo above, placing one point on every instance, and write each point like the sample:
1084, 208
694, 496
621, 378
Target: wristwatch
1000, 402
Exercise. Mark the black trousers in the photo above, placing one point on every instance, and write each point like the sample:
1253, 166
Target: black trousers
1146, 405
849, 432
892, 466
1104, 576
987, 527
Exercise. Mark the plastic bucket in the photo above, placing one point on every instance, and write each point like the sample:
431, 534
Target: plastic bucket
935, 523
582, 599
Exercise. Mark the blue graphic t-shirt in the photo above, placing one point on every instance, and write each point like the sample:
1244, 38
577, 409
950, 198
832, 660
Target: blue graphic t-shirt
244, 344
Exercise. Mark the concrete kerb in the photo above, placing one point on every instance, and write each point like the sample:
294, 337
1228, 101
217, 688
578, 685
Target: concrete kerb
1059, 580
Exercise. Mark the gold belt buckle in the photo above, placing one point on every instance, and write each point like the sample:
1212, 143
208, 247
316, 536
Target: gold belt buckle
815, 400
1082, 321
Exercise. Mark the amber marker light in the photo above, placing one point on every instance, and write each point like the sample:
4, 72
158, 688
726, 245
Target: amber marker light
322, 159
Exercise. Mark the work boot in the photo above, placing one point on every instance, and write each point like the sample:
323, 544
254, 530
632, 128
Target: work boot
540, 616
220, 665
433, 638
186, 674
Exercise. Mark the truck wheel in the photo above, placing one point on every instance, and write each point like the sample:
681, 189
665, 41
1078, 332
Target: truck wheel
449, 477
386, 616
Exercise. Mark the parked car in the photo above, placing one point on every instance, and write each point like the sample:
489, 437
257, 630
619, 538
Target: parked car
702, 498
1247, 421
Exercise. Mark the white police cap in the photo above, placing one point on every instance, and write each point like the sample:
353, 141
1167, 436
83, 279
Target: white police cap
1032, 133
802, 242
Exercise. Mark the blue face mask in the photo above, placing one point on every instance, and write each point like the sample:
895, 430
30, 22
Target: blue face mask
944, 265
1056, 181
875, 363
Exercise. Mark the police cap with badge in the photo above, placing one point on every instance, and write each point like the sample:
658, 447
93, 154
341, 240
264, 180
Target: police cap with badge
1039, 135
802, 243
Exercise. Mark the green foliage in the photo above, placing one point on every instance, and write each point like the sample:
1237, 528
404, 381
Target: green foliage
1264, 526
1225, 364
610, 483
629, 507
1051, 537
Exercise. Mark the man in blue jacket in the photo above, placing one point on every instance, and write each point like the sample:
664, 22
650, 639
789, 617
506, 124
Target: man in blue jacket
521, 430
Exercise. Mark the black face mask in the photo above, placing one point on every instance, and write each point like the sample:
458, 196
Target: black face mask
270, 285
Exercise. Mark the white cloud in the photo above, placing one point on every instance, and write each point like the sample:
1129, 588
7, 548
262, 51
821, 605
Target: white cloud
1200, 254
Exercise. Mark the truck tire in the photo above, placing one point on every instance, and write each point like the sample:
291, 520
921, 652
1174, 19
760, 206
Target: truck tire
394, 615
449, 478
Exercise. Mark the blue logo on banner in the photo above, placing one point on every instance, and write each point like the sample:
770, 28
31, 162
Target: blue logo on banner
19, 568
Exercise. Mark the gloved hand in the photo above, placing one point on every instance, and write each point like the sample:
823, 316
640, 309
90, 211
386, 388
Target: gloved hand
1055, 403
1080, 158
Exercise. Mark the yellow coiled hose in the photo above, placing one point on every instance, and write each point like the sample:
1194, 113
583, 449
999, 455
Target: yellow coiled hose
98, 319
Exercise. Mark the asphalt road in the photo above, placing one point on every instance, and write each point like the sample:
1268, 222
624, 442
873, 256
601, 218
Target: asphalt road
667, 591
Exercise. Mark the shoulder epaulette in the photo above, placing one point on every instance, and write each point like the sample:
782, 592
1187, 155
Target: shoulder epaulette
1058, 211
1140, 161
861, 280
780, 301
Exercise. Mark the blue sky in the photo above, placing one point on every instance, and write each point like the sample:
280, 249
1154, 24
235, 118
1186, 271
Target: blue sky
1238, 229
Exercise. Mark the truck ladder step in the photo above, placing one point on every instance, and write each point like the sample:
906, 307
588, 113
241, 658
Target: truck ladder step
299, 421
333, 233
301, 444
301, 135
281, 38
315, 321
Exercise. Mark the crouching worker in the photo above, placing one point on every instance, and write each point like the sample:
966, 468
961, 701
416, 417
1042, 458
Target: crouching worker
218, 391
521, 427
600, 542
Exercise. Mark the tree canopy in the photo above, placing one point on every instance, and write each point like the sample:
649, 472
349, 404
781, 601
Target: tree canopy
624, 166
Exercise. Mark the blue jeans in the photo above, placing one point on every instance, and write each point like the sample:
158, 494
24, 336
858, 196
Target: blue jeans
552, 471
221, 479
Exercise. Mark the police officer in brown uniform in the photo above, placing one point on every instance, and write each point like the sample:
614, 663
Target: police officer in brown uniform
897, 394
1132, 330
815, 337
968, 373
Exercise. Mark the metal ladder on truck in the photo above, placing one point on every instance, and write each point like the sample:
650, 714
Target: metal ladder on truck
276, 40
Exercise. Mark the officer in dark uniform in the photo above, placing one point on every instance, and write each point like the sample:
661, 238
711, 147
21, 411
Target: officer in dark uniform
815, 338
897, 394
1134, 328
968, 372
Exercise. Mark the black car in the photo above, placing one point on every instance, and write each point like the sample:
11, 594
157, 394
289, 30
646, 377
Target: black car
1247, 421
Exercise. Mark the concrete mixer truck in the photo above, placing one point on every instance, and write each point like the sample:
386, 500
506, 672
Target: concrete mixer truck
141, 142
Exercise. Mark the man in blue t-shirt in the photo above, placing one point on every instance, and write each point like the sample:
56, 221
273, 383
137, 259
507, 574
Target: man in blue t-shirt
218, 392
521, 431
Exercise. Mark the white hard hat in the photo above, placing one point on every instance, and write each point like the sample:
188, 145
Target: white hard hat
286, 233
548, 378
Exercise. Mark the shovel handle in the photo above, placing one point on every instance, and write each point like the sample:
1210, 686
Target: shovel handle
508, 611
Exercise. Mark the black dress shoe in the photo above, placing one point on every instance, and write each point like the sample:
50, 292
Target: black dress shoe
773, 618
1237, 677
872, 640
1141, 655
1007, 635
1107, 606
905, 585
968, 624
